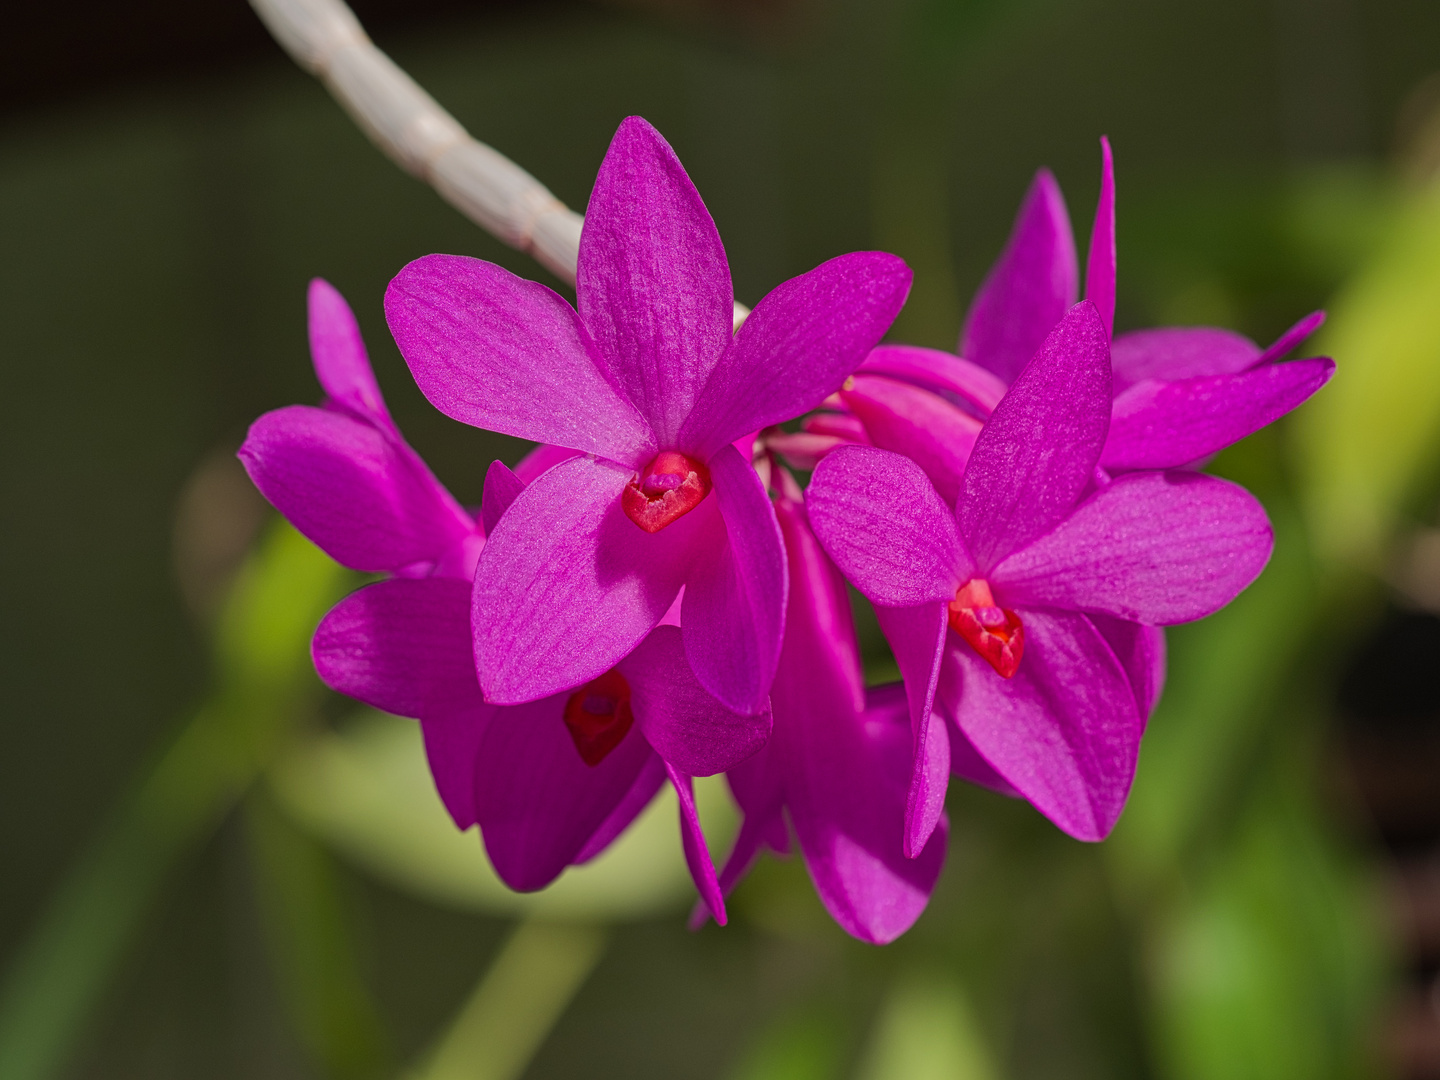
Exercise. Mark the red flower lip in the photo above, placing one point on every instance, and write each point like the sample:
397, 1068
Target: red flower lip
672, 486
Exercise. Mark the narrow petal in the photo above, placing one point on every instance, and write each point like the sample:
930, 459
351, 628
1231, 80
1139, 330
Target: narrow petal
452, 741
1179, 352
1141, 652
697, 853
502, 487
1290, 340
681, 720
880, 519
1156, 548
917, 423
1100, 265
653, 283
338, 353
1029, 288
938, 370
537, 802
567, 585
1163, 425
1039, 448
917, 637
797, 347
642, 791
495, 351
401, 645
847, 800
1065, 731
361, 496
733, 617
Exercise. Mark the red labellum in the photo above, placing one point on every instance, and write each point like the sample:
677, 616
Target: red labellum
996, 634
598, 716
670, 488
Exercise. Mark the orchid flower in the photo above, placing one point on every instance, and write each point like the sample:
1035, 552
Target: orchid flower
1180, 393
1022, 615
551, 782
647, 383
838, 759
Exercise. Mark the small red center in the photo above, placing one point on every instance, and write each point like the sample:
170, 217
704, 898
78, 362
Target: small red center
598, 716
994, 633
671, 486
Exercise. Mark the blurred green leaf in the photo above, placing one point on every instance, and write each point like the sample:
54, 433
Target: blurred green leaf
1366, 440
367, 790
926, 1031
311, 948
807, 1044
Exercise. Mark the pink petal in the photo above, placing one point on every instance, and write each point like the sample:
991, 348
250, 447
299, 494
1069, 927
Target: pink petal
965, 761
642, 791
917, 637
882, 522
338, 353
502, 487
682, 721
543, 458
733, 616
537, 802
1161, 425
938, 370
917, 423
1100, 266
567, 584
1029, 288
452, 740
366, 499
1156, 548
1038, 450
495, 351
1290, 340
1065, 731
797, 346
697, 853
401, 645
802, 450
653, 284
1179, 352
1141, 652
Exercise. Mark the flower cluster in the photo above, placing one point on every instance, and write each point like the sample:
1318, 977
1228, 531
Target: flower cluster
650, 597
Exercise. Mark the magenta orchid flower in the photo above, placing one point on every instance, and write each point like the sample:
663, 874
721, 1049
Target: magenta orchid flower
648, 384
1181, 393
838, 759
1023, 616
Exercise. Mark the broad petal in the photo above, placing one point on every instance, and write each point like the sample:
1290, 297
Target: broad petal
567, 584
495, 351
537, 802
1141, 652
797, 347
452, 741
1179, 352
938, 370
848, 790
642, 791
917, 637
542, 459
733, 616
1065, 731
1100, 265
681, 720
965, 761
1029, 288
880, 519
1156, 548
917, 423
697, 853
502, 487
1038, 450
1163, 425
401, 645
364, 498
653, 283
1290, 340
338, 353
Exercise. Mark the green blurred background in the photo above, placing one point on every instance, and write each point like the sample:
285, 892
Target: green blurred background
211, 867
